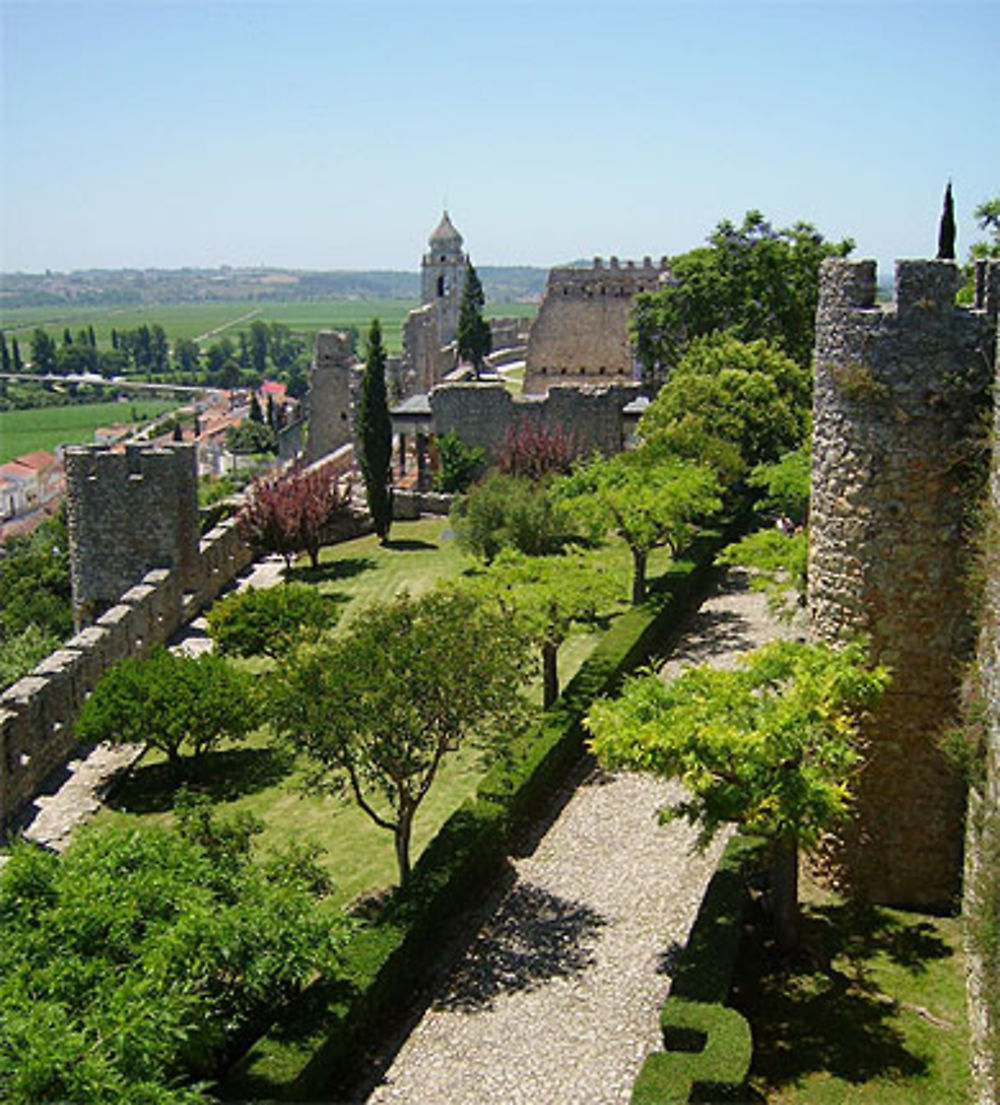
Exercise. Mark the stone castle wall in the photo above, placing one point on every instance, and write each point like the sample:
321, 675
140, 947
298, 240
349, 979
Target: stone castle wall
38, 711
482, 413
982, 855
331, 423
580, 334
427, 362
898, 392
117, 525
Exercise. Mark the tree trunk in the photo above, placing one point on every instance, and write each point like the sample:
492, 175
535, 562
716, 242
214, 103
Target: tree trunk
638, 575
402, 832
550, 674
785, 892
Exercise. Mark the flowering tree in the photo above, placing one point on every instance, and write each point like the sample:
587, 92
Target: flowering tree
535, 451
288, 514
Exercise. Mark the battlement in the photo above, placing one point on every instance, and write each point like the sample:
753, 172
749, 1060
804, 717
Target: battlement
613, 280
922, 288
333, 347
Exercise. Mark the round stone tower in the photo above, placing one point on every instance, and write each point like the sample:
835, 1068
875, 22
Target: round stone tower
900, 391
443, 271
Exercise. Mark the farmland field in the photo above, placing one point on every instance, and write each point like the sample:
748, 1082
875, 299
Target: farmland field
44, 428
209, 320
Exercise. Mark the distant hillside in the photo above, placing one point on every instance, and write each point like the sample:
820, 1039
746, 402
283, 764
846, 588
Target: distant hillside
112, 287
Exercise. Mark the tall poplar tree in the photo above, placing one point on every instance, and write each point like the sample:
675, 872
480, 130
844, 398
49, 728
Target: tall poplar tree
375, 435
473, 337
946, 231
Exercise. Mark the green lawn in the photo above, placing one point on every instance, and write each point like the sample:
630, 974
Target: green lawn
264, 781
192, 320
46, 427
873, 1013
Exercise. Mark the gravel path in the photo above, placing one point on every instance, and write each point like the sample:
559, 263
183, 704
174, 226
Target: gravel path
557, 999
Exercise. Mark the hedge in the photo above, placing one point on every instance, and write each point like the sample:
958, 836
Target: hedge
708, 1045
320, 1043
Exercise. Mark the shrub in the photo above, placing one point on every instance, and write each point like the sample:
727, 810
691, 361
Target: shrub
509, 512
270, 622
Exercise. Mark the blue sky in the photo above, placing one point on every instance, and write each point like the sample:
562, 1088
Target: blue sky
328, 135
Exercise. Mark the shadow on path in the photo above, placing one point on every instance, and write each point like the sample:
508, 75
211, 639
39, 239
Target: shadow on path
535, 936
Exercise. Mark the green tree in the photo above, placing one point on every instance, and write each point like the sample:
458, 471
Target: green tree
785, 484
270, 622
380, 705
172, 703
251, 437
509, 512
133, 963
259, 336
159, 350
473, 337
35, 584
755, 281
375, 435
987, 216
256, 414
646, 500
770, 746
946, 229
551, 595
15, 356
4, 353
747, 395
461, 464
187, 354
43, 353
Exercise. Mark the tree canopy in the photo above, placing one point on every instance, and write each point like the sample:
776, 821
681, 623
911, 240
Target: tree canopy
375, 435
646, 499
171, 702
270, 622
753, 280
130, 964
549, 594
512, 512
747, 396
288, 514
770, 745
408, 682
473, 337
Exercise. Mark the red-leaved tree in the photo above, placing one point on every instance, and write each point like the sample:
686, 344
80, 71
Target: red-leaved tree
288, 514
537, 451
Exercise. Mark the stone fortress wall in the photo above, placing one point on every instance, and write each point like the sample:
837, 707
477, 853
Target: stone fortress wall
898, 393
482, 413
151, 603
580, 334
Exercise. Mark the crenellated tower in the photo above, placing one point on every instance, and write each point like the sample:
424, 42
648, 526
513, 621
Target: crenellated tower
901, 392
129, 512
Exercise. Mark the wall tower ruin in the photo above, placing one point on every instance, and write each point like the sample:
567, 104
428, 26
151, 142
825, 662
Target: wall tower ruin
129, 512
330, 414
900, 391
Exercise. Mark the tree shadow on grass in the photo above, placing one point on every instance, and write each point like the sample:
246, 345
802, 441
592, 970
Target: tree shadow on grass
409, 544
825, 1014
332, 570
534, 937
222, 775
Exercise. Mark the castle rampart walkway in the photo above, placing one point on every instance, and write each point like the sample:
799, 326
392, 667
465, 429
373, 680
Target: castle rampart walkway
557, 998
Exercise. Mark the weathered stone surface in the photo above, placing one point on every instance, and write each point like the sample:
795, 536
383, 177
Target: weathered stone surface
331, 420
898, 392
580, 334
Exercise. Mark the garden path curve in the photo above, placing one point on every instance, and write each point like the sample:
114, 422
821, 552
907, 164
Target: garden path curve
557, 998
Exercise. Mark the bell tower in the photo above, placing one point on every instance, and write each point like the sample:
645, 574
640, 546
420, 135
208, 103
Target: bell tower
443, 271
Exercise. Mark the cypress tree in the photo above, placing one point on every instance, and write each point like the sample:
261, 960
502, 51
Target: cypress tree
91, 337
946, 231
375, 435
4, 354
473, 336
15, 354
256, 414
